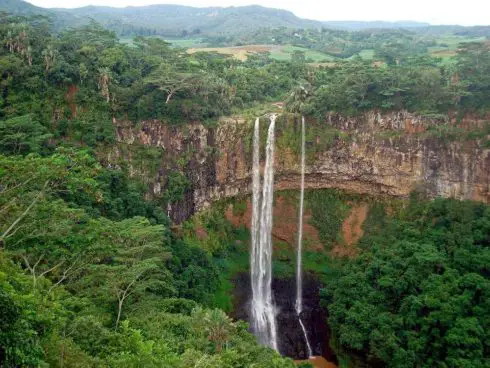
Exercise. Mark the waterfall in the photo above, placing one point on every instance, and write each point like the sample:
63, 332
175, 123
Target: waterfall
263, 313
299, 275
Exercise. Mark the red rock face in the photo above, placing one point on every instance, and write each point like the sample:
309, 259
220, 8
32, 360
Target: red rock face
375, 154
352, 231
285, 223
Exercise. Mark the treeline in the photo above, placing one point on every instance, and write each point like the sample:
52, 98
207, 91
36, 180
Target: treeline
80, 79
418, 84
101, 78
334, 42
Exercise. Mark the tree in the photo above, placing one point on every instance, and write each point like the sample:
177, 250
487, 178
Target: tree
216, 324
24, 319
170, 81
474, 73
22, 135
28, 181
298, 98
134, 263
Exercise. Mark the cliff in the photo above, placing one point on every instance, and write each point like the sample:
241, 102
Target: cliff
389, 155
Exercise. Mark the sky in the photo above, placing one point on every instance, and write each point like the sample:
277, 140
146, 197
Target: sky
467, 12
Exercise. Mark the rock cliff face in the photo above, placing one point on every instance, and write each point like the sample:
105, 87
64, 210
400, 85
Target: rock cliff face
389, 155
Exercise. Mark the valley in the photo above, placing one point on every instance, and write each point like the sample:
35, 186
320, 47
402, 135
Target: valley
235, 187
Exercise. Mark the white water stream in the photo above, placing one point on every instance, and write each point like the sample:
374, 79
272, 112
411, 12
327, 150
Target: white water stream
299, 272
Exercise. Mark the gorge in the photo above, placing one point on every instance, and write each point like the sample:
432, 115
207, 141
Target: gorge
148, 218
377, 155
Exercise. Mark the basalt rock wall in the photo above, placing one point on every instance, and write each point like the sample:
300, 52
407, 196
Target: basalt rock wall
376, 154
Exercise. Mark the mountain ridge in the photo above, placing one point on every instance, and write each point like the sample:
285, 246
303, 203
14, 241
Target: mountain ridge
177, 20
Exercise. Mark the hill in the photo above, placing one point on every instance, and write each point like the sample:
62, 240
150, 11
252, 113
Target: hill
19, 7
178, 21
355, 25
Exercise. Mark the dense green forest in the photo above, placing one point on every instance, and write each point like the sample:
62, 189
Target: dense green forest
91, 273
418, 294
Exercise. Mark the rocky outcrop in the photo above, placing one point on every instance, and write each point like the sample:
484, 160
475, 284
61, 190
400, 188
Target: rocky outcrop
376, 154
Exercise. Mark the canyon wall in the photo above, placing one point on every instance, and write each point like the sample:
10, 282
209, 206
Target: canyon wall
376, 154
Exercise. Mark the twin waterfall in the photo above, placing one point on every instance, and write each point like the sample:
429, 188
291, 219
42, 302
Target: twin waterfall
299, 274
263, 311
262, 307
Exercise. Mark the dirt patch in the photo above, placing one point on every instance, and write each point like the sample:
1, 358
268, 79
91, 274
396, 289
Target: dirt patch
70, 98
237, 52
352, 231
411, 128
444, 53
201, 233
318, 362
285, 223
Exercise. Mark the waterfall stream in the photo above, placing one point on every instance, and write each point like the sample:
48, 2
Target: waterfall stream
299, 275
263, 311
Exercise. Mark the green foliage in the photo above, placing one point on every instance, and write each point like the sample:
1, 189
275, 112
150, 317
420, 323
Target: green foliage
328, 209
305, 365
22, 135
417, 295
177, 185
99, 287
22, 318
92, 276
195, 275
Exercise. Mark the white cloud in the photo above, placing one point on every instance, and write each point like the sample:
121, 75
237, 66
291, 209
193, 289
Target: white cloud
469, 12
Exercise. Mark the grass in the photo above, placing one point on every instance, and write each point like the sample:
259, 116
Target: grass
367, 54
286, 52
257, 109
186, 42
447, 46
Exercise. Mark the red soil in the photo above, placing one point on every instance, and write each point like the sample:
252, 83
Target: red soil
351, 231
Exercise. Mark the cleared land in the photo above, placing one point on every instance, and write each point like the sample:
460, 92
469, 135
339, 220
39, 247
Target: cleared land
276, 52
447, 46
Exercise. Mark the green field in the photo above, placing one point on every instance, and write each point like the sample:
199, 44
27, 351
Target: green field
286, 52
447, 46
186, 42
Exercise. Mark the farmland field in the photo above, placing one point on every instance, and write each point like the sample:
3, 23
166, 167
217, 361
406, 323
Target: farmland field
276, 52
447, 45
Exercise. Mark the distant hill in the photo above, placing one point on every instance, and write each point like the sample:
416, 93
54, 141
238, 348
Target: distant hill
18, 7
178, 21
61, 18
354, 25
182, 21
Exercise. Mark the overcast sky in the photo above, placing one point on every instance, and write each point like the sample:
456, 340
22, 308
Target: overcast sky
466, 12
